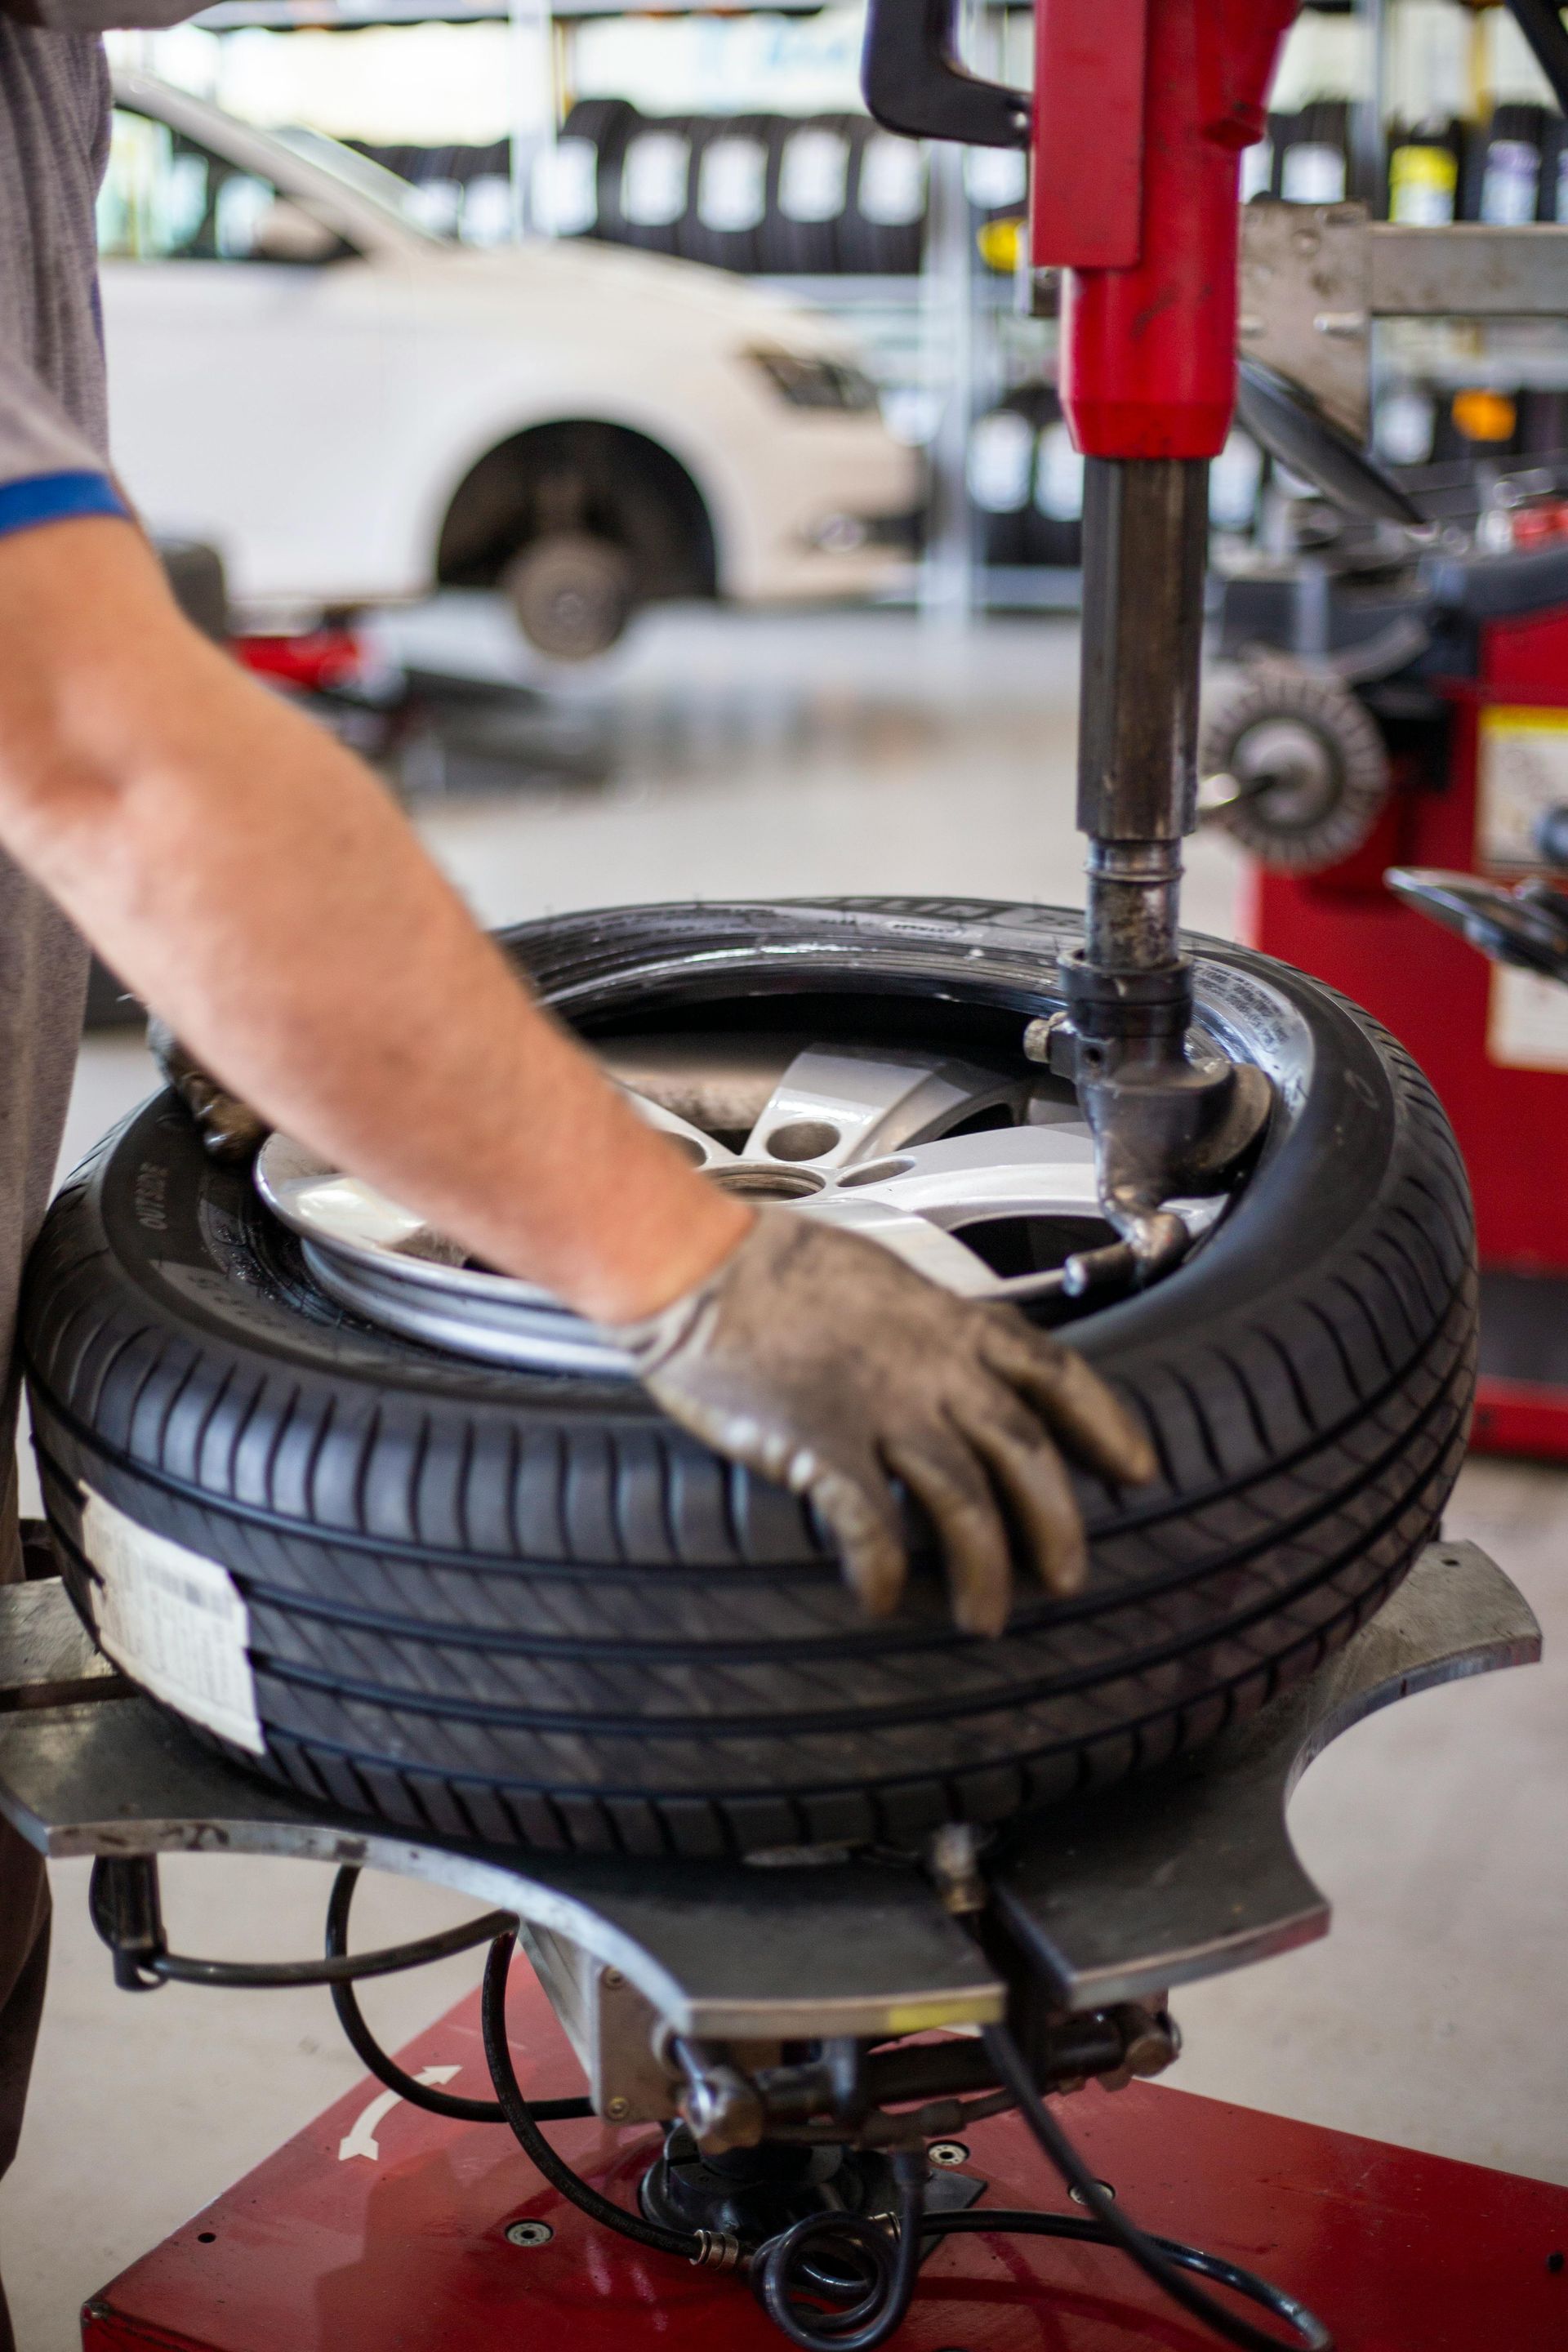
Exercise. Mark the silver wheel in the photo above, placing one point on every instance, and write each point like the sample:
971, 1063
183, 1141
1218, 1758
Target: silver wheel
981, 1178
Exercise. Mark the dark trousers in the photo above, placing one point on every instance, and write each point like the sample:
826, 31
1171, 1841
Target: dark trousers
24, 1906
24, 1958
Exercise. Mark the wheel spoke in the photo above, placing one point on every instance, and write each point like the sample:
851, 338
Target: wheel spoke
1014, 1172
703, 1150
835, 1106
940, 1256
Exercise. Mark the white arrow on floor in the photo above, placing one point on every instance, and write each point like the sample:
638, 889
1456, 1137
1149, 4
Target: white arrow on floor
362, 2140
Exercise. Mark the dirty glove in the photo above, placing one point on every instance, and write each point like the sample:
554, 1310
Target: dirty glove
819, 1359
230, 1130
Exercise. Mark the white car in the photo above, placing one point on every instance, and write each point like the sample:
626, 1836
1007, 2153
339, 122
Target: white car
355, 410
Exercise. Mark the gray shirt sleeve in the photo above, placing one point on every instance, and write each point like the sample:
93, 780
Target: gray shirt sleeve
53, 138
36, 437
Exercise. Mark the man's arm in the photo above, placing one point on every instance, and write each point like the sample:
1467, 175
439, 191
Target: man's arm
253, 881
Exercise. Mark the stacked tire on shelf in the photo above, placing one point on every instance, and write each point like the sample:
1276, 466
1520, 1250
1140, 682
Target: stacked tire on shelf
1025, 482
762, 195
771, 195
814, 173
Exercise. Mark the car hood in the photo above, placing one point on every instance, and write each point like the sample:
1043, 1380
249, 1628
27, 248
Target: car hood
718, 306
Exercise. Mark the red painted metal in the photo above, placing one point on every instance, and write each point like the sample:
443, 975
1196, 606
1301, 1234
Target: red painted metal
407, 2253
313, 661
1431, 990
1087, 186
1434, 994
1148, 350
1520, 1417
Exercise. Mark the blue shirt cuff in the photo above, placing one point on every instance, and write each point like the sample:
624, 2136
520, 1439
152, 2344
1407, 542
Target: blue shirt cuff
56, 498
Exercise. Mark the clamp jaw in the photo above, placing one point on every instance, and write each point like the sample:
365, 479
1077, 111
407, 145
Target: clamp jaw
1170, 1116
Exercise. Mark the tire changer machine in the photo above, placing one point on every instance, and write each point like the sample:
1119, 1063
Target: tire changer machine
1401, 706
857, 2055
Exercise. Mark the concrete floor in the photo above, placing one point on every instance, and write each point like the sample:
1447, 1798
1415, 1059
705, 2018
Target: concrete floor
851, 754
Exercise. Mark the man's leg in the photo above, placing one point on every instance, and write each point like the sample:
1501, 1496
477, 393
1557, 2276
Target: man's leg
23, 1960
24, 1897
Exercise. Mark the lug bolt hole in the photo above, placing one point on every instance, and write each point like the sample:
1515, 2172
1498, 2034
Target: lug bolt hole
803, 1139
876, 1172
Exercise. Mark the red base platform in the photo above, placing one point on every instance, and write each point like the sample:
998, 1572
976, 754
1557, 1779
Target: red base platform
384, 2229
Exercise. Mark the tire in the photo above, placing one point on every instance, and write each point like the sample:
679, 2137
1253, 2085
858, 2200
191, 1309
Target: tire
527, 1609
710, 237
605, 123
672, 139
808, 191
1054, 538
1001, 479
573, 594
882, 233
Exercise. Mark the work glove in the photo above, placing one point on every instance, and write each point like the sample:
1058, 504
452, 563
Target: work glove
230, 1130
822, 1361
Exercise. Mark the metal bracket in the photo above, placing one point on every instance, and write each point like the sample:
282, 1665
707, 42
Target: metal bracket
1314, 277
1190, 1872
1182, 1874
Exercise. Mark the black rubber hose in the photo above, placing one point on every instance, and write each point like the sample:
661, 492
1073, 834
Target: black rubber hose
1081, 2230
178, 1967
1541, 25
872, 2295
864, 2307
523, 2117
374, 2059
1159, 2259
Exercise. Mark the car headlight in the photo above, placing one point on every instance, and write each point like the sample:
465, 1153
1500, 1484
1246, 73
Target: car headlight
816, 383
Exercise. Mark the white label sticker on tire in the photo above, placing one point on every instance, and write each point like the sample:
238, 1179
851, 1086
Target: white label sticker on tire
176, 1622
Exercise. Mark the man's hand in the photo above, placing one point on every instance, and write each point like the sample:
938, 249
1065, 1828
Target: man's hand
230, 1128
821, 1361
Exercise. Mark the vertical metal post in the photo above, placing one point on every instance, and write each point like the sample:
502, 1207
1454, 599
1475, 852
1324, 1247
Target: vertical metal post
532, 48
947, 575
1145, 550
1369, 112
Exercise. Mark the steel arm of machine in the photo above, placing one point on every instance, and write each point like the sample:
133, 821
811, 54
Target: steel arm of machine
1315, 279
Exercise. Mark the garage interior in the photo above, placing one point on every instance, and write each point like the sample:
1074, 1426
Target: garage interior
582, 723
